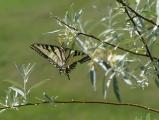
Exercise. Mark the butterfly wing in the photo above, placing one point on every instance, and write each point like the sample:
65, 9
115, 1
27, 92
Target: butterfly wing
73, 57
65, 59
52, 53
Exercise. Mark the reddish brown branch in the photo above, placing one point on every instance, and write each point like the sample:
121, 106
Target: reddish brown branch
117, 47
83, 102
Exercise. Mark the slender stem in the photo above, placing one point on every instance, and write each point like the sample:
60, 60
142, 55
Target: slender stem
24, 88
83, 102
75, 29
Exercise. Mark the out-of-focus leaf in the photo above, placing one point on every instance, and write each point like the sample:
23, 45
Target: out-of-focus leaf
18, 91
116, 89
104, 65
1, 111
157, 82
81, 44
39, 84
25, 70
126, 78
157, 21
13, 83
50, 99
52, 32
19, 69
137, 2
139, 23
127, 81
28, 69
106, 32
78, 15
93, 77
157, 12
148, 117
106, 86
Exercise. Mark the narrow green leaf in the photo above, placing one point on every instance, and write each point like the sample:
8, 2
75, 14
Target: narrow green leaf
157, 82
92, 73
78, 15
107, 82
1, 111
106, 65
50, 99
13, 83
19, 69
28, 69
127, 80
148, 117
39, 84
106, 86
17, 90
116, 89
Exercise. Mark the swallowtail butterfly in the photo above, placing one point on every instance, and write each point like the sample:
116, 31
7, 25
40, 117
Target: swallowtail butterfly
64, 59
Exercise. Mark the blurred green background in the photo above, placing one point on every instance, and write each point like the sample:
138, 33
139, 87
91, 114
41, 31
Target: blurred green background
23, 22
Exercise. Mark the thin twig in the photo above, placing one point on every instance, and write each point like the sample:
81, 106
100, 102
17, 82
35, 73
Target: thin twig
82, 102
143, 41
117, 47
73, 28
137, 14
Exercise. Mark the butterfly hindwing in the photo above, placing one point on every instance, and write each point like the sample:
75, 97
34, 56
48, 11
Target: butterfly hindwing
65, 59
76, 57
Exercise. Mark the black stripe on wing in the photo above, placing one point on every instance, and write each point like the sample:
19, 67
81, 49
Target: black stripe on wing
73, 65
84, 59
34, 47
65, 59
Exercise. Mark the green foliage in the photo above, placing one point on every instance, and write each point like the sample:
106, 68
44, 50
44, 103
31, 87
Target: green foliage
122, 65
110, 64
17, 94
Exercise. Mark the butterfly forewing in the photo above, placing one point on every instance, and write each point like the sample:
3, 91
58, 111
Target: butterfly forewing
48, 52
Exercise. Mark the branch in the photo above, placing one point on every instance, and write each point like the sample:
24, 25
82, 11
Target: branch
75, 29
94, 37
137, 14
117, 47
143, 41
82, 102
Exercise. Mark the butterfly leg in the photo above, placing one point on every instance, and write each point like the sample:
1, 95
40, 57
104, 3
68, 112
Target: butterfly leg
68, 76
60, 73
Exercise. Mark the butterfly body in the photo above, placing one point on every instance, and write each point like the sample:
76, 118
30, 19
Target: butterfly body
64, 59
